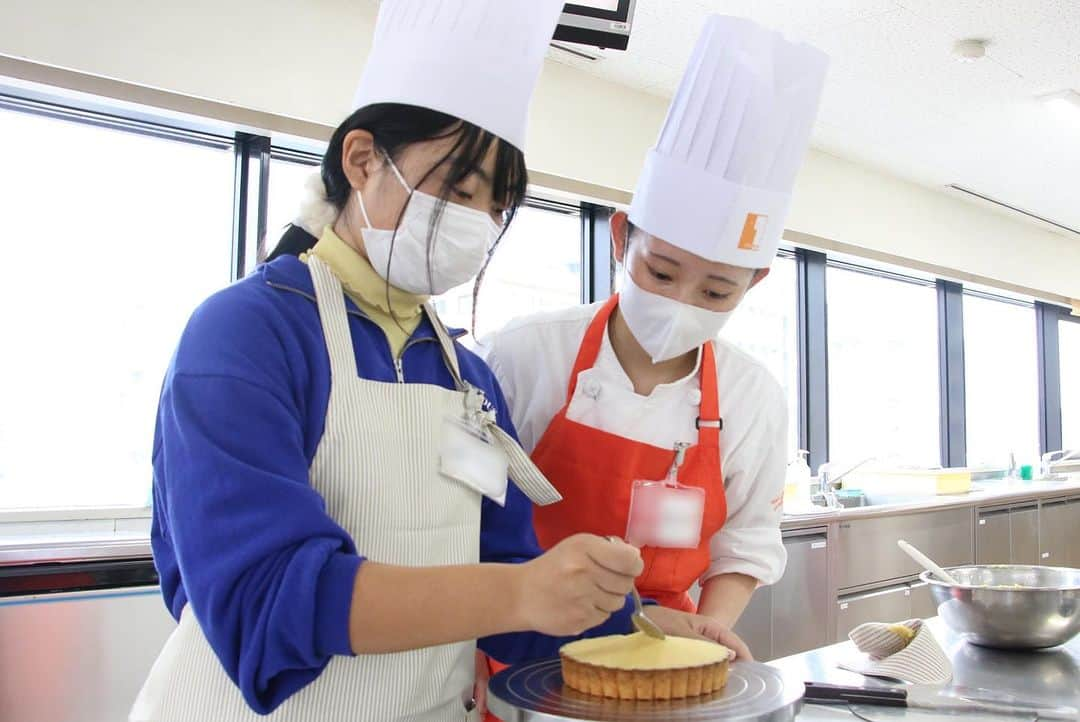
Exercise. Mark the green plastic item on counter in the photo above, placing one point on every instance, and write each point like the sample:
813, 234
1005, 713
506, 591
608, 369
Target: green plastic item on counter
851, 497
1026, 472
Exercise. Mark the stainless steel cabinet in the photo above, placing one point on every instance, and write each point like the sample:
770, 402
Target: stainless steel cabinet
755, 624
1024, 523
80, 656
1059, 539
922, 604
993, 537
792, 615
868, 554
1008, 535
801, 600
891, 604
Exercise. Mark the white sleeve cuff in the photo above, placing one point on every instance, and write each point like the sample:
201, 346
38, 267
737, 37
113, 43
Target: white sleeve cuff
757, 552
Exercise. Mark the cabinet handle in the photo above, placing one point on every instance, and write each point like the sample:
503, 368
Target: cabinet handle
982, 522
818, 545
1046, 555
843, 606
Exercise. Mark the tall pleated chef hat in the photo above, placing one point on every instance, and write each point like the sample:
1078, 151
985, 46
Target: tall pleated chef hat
478, 60
718, 181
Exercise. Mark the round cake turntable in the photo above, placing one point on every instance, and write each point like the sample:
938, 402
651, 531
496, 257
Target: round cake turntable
534, 692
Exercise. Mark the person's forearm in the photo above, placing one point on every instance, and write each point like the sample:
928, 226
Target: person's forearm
399, 608
725, 596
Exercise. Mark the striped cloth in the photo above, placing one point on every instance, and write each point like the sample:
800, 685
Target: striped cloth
895, 654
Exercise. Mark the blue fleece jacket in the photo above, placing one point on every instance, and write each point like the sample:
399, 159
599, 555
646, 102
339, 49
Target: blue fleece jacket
238, 531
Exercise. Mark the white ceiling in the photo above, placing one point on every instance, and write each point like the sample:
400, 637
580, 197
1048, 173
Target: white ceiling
896, 98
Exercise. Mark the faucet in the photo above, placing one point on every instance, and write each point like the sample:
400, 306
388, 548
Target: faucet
1045, 468
827, 482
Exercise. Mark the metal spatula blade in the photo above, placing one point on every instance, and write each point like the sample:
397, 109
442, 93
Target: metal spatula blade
642, 623
934, 697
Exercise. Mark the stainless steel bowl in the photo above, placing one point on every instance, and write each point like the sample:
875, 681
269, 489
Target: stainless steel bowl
1010, 606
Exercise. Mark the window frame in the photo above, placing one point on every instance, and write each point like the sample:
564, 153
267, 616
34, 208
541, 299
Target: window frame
282, 154
1047, 316
952, 370
813, 350
1065, 315
56, 108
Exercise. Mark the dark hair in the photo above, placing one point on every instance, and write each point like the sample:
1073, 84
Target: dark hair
394, 127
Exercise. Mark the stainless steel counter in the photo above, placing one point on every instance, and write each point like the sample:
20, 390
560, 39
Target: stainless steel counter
25, 547
28, 550
986, 495
1051, 677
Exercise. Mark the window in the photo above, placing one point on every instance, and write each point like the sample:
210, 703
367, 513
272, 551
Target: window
766, 327
536, 267
1001, 381
118, 235
1069, 349
883, 368
287, 180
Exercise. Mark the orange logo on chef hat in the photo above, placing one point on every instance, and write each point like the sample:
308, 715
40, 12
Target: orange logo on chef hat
752, 228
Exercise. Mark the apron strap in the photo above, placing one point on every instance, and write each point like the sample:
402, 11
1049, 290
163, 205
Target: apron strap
590, 344
521, 469
330, 298
709, 422
447, 344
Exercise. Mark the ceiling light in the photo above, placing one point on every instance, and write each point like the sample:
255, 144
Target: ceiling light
970, 50
1062, 101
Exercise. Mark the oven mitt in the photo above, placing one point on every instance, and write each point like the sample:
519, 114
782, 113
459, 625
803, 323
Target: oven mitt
906, 651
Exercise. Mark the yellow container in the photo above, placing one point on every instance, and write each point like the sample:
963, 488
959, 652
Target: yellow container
878, 483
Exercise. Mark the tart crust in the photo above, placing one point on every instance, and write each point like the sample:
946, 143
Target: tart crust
636, 667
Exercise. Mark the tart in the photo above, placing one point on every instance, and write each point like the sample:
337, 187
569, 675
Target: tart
638, 667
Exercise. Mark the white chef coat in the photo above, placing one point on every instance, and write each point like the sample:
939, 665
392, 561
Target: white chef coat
532, 358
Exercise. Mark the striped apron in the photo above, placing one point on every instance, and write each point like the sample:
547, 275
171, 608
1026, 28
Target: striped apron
377, 466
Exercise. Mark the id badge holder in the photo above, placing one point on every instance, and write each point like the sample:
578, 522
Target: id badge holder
665, 513
469, 454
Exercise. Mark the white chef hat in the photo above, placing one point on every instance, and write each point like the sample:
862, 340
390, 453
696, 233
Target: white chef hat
718, 182
477, 60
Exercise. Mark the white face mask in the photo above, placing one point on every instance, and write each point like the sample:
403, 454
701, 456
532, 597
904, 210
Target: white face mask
666, 328
460, 245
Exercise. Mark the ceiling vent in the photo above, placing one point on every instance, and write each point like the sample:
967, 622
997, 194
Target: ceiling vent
561, 50
1014, 209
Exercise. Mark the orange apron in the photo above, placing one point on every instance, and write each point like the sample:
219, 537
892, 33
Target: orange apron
595, 470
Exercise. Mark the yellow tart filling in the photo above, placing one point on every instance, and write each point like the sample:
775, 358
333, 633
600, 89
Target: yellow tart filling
638, 651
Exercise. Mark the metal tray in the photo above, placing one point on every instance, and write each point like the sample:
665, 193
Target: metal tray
534, 692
